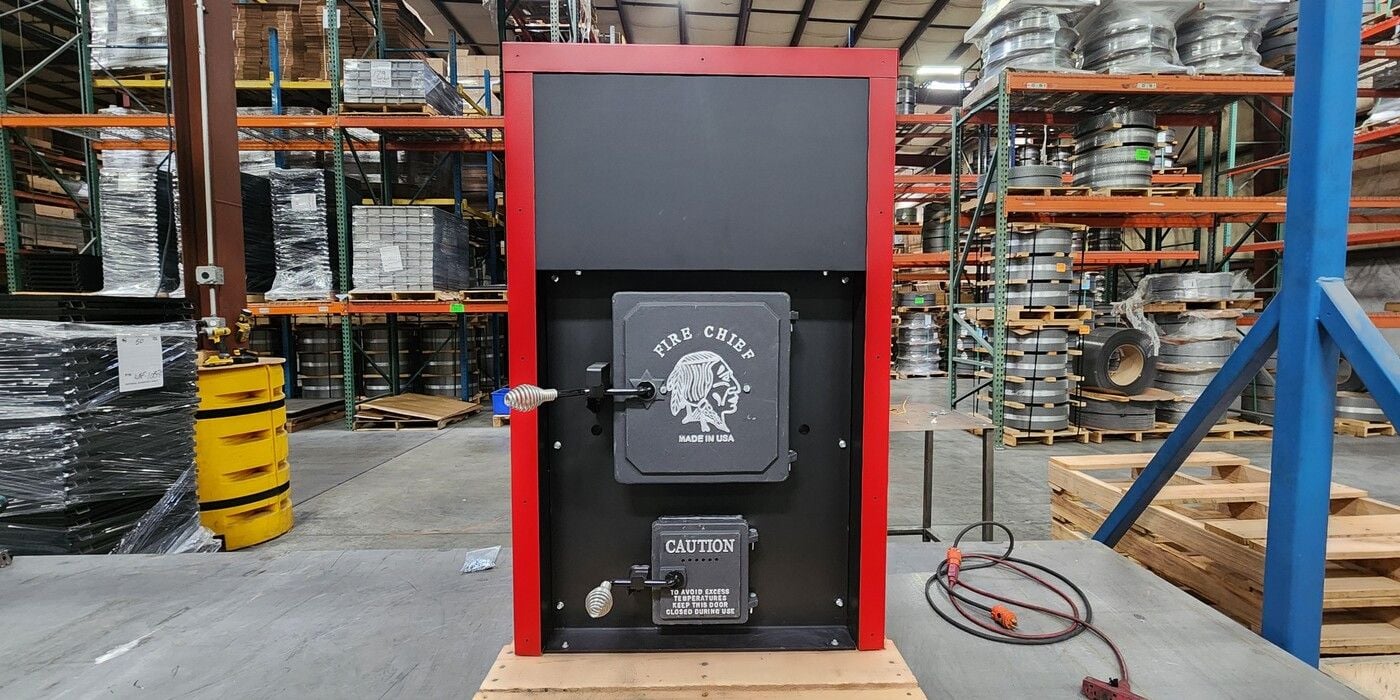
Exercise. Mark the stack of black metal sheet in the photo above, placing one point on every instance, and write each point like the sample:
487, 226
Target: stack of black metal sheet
96, 430
259, 258
81, 308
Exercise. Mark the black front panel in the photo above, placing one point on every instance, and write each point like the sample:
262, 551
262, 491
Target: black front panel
700, 172
597, 527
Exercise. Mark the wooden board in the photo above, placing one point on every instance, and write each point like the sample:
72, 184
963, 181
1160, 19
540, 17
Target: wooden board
404, 295
1207, 532
1376, 677
711, 675
1169, 307
412, 412
1153, 191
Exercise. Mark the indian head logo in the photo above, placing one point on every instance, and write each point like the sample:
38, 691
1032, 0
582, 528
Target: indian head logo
703, 386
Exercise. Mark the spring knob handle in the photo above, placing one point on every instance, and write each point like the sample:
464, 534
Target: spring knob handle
528, 397
599, 601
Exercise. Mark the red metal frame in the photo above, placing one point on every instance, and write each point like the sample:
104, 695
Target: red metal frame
880, 66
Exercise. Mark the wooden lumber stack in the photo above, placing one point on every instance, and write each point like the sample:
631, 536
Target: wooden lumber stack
1207, 532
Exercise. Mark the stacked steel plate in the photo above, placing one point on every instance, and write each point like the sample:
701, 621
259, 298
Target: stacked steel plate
96, 432
1280, 40
1115, 149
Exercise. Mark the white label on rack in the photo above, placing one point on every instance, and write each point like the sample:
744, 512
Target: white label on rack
1037, 86
326, 17
381, 74
139, 362
390, 259
1146, 86
303, 201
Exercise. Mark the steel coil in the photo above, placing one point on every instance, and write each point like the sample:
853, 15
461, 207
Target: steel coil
1039, 391
1043, 341
1039, 294
1190, 325
1117, 118
906, 215
1127, 136
1033, 175
1115, 166
1211, 353
1188, 383
1033, 418
1043, 241
917, 336
1118, 360
1175, 411
1355, 405
1040, 268
1115, 415
1347, 378
1037, 366
1189, 286
934, 241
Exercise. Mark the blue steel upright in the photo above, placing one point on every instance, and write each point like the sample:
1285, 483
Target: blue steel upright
1319, 207
1311, 319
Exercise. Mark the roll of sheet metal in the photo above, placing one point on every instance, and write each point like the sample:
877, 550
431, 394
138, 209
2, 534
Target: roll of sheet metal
1204, 353
1040, 268
1130, 45
1115, 415
1117, 118
1184, 383
1042, 241
1118, 360
1359, 406
1061, 155
1348, 379
1037, 366
1027, 154
1030, 39
1189, 286
1257, 399
1114, 166
1048, 340
1039, 294
1127, 136
1219, 42
1033, 176
1033, 418
1038, 392
933, 241
1193, 326
906, 215
1175, 411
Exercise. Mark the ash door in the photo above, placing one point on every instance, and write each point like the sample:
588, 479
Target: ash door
720, 363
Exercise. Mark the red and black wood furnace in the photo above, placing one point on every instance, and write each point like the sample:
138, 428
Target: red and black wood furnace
699, 272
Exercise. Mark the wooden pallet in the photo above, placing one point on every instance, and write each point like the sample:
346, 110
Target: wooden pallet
1375, 677
1226, 430
901, 375
1206, 532
421, 108
1362, 428
498, 420
412, 412
1055, 191
1200, 305
405, 295
727, 675
306, 413
1039, 315
1012, 437
1153, 191
1393, 306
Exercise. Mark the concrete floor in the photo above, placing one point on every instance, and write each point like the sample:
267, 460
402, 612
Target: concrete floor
449, 489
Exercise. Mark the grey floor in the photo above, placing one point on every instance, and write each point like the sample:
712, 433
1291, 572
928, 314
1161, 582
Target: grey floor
449, 489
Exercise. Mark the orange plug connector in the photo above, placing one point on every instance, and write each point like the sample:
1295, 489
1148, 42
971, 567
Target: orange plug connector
1004, 617
954, 564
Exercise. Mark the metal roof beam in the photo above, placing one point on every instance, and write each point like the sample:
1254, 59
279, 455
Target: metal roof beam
933, 11
801, 22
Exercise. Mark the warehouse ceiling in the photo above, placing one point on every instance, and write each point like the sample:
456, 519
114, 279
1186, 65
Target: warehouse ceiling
927, 32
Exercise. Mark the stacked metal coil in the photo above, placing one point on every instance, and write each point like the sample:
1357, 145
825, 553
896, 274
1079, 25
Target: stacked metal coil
1041, 359
1187, 385
1221, 40
1194, 345
1115, 149
934, 234
1113, 414
320, 365
1164, 153
1189, 286
906, 215
906, 95
1097, 239
441, 360
1039, 241
1279, 45
1033, 175
1034, 38
1357, 405
375, 341
1257, 400
916, 344
1061, 155
1123, 36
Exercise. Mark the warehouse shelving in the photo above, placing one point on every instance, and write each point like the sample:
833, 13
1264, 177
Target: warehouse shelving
1028, 99
451, 136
